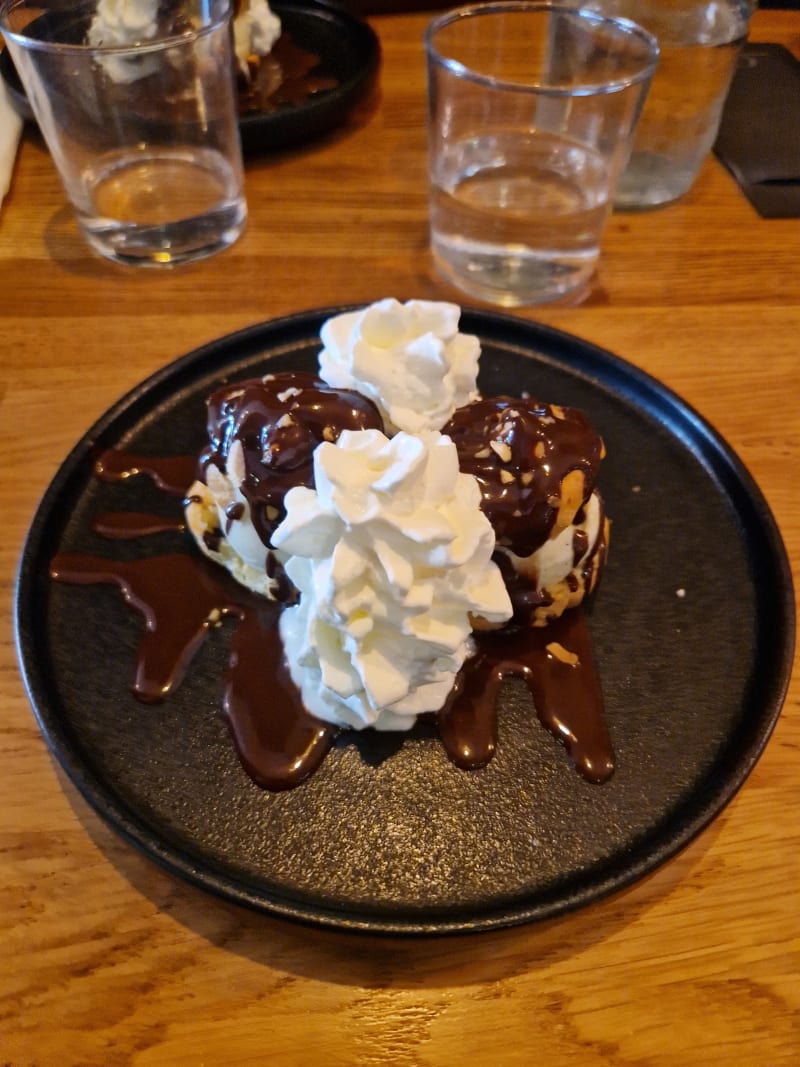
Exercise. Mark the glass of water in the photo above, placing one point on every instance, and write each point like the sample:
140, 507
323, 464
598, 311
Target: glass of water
137, 106
699, 42
531, 111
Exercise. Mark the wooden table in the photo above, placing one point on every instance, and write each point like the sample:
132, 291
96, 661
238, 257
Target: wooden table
107, 960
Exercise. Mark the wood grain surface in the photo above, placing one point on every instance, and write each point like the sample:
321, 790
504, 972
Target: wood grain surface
105, 959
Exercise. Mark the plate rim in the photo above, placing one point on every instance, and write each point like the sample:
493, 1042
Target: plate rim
617, 375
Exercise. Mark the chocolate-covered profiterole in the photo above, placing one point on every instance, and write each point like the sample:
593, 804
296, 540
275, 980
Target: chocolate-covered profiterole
536, 464
272, 425
262, 434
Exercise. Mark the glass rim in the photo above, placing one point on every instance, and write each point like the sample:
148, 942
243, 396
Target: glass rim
139, 48
629, 29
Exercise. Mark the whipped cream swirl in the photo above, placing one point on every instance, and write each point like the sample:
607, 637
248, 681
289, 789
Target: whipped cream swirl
120, 23
409, 359
256, 28
391, 555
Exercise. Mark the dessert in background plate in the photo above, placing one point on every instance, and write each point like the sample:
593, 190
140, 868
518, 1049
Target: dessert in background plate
271, 69
380, 576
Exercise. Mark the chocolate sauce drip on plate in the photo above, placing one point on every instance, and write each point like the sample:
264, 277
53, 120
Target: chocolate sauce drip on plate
279, 743
520, 450
173, 474
181, 595
557, 665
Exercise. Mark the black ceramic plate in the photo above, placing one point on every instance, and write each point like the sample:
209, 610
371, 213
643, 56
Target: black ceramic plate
693, 633
348, 51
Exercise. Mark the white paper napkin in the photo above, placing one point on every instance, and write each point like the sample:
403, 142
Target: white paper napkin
10, 130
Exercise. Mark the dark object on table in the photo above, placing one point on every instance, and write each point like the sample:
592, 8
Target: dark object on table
758, 137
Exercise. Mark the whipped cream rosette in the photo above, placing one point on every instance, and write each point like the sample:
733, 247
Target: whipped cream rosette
391, 556
125, 23
256, 28
409, 359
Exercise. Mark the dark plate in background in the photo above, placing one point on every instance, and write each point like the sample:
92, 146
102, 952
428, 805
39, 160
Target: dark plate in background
349, 53
389, 836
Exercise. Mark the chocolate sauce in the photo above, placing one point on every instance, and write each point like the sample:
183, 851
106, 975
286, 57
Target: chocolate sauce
279, 743
173, 474
557, 665
127, 525
181, 595
287, 77
278, 421
520, 451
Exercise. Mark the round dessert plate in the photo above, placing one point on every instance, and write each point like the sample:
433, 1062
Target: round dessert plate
348, 54
692, 628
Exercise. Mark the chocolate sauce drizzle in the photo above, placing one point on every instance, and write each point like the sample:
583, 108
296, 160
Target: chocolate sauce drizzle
287, 77
182, 595
557, 665
278, 421
521, 450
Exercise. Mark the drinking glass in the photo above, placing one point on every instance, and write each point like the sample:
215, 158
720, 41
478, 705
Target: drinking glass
140, 119
531, 111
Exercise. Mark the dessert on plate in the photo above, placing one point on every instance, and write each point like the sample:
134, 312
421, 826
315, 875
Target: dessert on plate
271, 69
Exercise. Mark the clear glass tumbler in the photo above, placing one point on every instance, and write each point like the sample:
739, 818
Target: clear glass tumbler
531, 111
700, 42
140, 119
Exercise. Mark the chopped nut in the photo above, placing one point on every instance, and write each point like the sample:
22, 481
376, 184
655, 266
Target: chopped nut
236, 468
287, 394
272, 512
557, 651
538, 449
506, 476
526, 477
328, 433
284, 421
484, 453
501, 449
